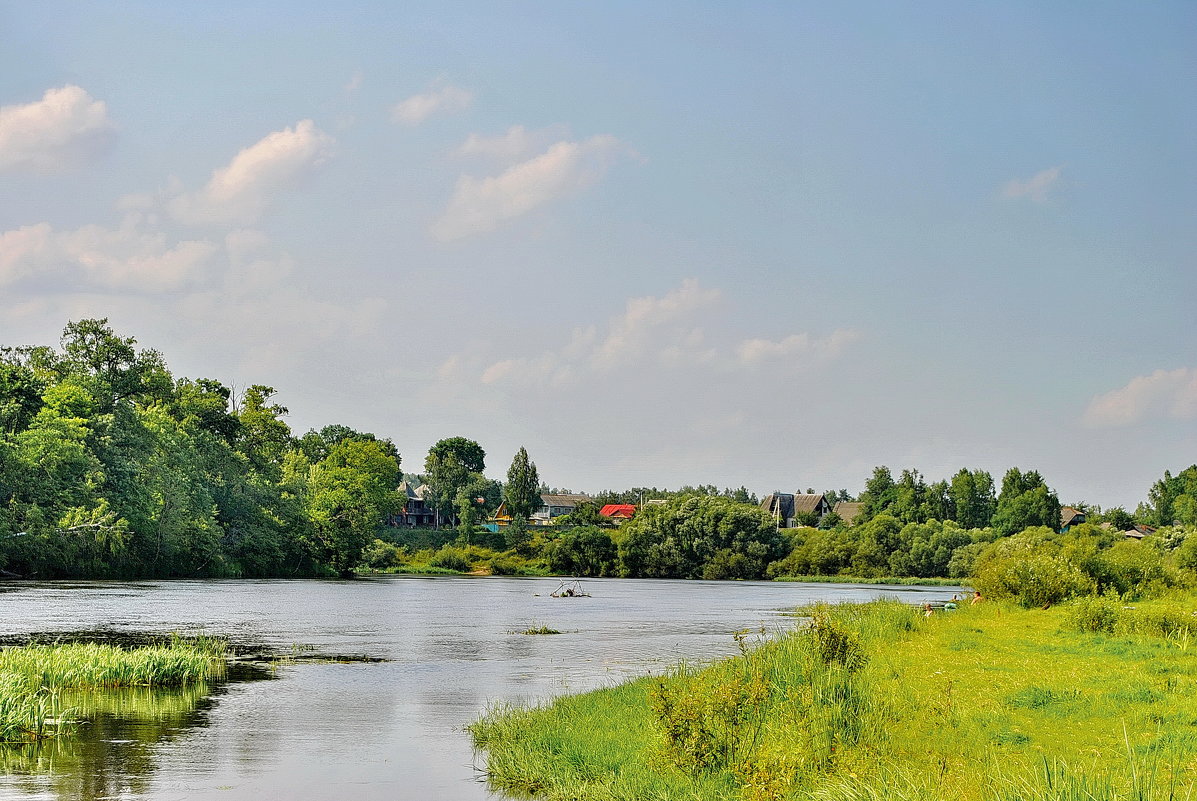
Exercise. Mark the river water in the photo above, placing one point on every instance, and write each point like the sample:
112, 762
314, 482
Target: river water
389, 729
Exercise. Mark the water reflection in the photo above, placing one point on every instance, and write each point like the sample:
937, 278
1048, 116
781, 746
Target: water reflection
112, 750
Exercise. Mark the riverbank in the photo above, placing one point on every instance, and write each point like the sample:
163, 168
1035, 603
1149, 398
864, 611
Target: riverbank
876, 701
895, 581
34, 677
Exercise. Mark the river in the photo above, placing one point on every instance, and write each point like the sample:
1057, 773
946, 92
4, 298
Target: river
390, 729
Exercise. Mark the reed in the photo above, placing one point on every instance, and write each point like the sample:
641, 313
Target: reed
34, 678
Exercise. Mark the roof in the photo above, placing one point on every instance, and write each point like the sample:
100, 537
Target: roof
563, 500
1069, 515
848, 510
807, 503
624, 510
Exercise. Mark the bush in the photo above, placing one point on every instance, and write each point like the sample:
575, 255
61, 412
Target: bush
1031, 578
1095, 614
449, 558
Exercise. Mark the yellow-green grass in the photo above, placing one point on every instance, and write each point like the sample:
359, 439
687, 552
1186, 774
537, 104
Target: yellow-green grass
986, 702
34, 678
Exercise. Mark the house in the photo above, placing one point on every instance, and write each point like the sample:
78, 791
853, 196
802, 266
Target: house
1138, 532
618, 511
1070, 517
501, 518
848, 511
785, 508
415, 511
554, 506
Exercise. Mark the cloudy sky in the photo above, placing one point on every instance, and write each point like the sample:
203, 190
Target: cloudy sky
771, 244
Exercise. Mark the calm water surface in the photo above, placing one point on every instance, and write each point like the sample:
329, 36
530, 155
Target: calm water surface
384, 730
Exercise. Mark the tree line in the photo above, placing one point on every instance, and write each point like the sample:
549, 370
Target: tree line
112, 467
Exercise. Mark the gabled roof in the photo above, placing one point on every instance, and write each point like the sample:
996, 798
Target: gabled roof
848, 510
807, 503
620, 510
563, 500
1069, 515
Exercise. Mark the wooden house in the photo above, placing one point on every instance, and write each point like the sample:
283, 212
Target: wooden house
785, 507
554, 506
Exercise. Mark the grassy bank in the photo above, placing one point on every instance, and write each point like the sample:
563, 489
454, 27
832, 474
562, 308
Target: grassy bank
899, 581
1093, 701
35, 678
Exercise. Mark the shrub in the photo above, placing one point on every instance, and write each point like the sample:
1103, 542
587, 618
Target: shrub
1095, 614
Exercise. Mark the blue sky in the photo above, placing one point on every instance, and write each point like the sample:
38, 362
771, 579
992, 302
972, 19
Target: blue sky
771, 244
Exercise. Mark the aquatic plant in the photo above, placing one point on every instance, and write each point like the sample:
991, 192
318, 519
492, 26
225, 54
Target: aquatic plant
33, 677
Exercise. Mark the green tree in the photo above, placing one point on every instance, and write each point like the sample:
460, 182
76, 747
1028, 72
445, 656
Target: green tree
522, 490
349, 494
109, 366
1026, 501
448, 468
880, 494
972, 495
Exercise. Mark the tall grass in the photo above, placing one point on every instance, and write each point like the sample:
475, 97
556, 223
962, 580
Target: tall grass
33, 678
874, 701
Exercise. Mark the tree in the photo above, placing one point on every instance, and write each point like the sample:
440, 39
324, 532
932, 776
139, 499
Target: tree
678, 539
880, 494
972, 495
262, 436
350, 493
1174, 498
110, 367
1026, 501
522, 490
449, 466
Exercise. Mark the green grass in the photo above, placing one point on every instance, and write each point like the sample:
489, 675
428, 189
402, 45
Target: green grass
874, 701
903, 581
35, 679
539, 630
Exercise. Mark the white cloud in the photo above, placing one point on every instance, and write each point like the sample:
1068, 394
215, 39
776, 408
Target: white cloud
652, 333
66, 127
1164, 394
752, 352
417, 108
480, 205
128, 257
241, 191
516, 144
1036, 187
354, 83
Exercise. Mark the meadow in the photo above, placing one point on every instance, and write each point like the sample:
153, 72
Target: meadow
1095, 699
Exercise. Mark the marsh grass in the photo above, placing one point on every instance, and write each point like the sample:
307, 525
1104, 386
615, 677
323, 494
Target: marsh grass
897, 581
36, 680
874, 701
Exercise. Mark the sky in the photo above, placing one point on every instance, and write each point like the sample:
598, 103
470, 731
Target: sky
655, 243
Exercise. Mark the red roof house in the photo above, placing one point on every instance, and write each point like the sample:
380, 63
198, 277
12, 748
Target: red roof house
618, 511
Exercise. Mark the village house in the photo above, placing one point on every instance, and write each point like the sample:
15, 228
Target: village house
554, 506
1070, 517
618, 511
415, 511
785, 508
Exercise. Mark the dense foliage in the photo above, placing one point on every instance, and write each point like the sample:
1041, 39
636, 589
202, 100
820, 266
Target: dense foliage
110, 466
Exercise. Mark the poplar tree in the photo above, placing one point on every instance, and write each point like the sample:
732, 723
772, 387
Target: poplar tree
522, 490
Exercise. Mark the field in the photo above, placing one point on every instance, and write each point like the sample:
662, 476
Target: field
1093, 700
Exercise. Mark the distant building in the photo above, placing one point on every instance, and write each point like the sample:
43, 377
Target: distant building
415, 511
618, 511
786, 507
1070, 517
848, 511
554, 506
